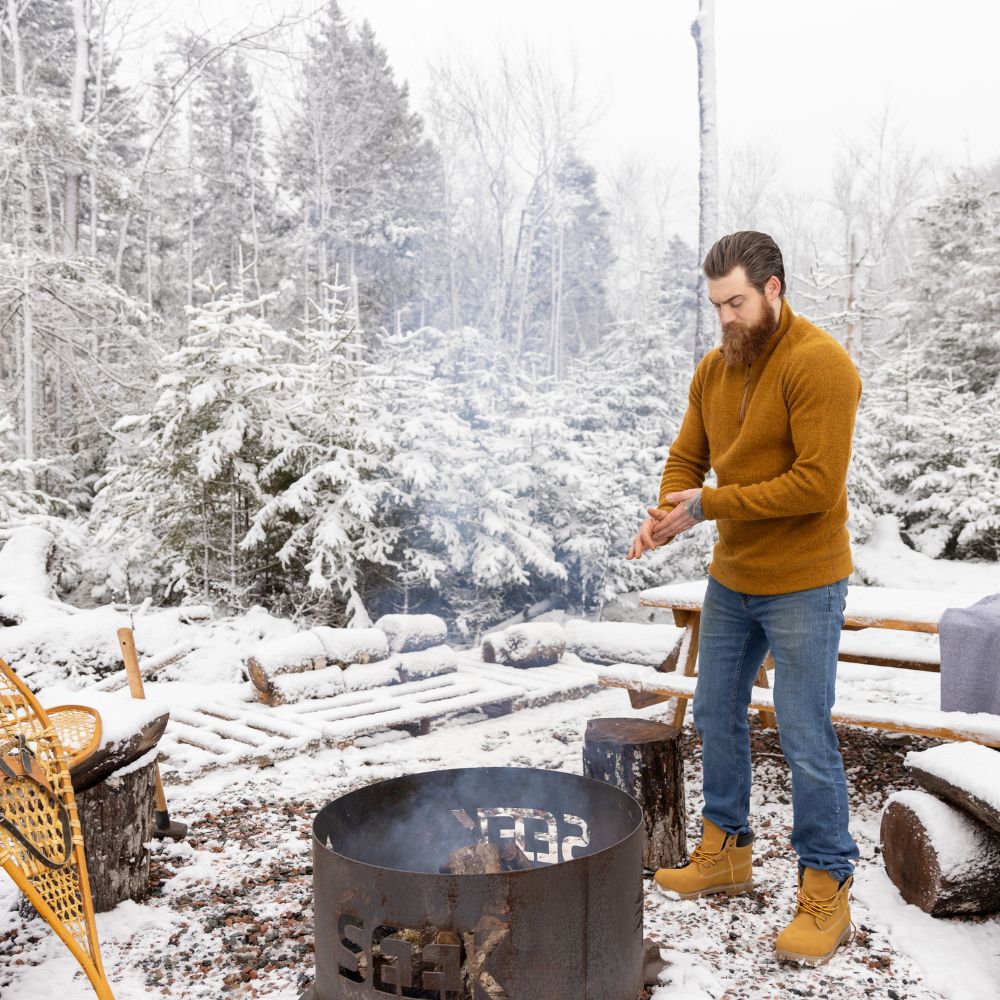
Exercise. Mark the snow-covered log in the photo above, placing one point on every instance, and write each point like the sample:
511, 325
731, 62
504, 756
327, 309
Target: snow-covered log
535, 645
26, 589
622, 642
290, 655
329, 681
940, 858
307, 652
425, 663
409, 633
343, 646
965, 774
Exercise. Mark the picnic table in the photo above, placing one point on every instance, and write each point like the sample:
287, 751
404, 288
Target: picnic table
875, 618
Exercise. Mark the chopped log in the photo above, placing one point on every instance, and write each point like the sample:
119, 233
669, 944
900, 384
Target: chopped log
116, 819
940, 858
291, 688
643, 758
536, 645
479, 859
411, 633
423, 663
117, 752
965, 774
291, 655
344, 646
623, 642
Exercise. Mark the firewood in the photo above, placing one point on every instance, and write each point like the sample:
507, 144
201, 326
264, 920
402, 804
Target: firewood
512, 858
291, 655
652, 962
116, 753
623, 642
410, 633
478, 859
965, 774
643, 758
940, 858
536, 645
344, 646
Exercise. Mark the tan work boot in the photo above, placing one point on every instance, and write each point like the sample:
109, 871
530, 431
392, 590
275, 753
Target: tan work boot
822, 921
720, 863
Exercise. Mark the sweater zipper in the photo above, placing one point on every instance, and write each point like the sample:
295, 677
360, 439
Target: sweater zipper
743, 402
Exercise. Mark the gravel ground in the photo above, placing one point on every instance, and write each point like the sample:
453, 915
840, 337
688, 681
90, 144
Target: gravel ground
230, 913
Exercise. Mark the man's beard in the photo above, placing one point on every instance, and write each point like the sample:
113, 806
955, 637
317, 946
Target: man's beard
742, 344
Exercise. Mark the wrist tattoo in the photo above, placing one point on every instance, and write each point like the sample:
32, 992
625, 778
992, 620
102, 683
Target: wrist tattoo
693, 507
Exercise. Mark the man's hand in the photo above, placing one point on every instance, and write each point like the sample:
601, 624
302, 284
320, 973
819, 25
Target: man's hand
686, 514
644, 540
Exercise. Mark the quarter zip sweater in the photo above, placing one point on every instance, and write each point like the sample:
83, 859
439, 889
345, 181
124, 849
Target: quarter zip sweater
778, 434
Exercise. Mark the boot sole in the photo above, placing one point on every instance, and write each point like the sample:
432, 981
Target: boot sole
734, 889
790, 956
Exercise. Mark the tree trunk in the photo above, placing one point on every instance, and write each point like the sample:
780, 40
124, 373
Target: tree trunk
703, 30
116, 817
643, 758
939, 858
81, 73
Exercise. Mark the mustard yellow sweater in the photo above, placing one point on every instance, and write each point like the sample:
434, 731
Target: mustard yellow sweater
778, 435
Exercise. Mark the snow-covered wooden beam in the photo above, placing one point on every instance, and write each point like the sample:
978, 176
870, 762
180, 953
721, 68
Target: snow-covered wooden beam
979, 727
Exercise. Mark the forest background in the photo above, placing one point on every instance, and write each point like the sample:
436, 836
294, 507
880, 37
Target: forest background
305, 347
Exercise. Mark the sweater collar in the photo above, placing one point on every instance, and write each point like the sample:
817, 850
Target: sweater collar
785, 320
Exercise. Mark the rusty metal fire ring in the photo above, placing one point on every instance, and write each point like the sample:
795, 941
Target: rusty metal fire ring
389, 922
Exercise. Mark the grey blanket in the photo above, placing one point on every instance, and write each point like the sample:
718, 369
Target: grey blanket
970, 657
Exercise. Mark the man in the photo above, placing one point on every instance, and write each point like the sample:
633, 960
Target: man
772, 411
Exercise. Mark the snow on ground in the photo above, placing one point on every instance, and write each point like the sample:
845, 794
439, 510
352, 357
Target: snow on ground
231, 909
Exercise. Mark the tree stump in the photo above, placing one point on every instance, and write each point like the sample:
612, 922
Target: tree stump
116, 818
939, 858
643, 758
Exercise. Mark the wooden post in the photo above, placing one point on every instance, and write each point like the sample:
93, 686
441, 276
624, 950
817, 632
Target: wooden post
643, 758
116, 819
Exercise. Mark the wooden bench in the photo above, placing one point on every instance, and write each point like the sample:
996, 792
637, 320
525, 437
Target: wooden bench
883, 627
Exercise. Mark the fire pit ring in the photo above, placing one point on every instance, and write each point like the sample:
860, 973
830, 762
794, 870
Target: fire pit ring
389, 922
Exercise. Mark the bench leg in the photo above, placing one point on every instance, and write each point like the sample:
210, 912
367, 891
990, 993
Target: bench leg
688, 660
767, 719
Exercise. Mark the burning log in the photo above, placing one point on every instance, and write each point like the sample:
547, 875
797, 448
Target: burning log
940, 858
411, 633
478, 859
512, 858
644, 759
536, 645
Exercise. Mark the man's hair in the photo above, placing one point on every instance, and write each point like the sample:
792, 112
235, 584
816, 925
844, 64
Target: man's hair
756, 253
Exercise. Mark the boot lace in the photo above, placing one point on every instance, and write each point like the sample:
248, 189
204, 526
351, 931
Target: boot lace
818, 908
703, 858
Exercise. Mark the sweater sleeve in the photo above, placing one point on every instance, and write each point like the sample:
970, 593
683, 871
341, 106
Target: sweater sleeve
688, 461
822, 394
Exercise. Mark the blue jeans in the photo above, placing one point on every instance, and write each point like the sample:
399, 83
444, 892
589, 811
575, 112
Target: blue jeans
802, 630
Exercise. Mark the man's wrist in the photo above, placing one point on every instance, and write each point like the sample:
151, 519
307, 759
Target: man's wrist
693, 507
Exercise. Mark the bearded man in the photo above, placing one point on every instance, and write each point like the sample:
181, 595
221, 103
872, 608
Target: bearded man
772, 412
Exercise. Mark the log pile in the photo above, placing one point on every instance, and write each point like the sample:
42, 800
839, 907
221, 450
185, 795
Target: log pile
324, 661
941, 846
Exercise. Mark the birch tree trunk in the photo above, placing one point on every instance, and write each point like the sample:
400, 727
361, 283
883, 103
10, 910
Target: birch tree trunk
703, 30
81, 74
